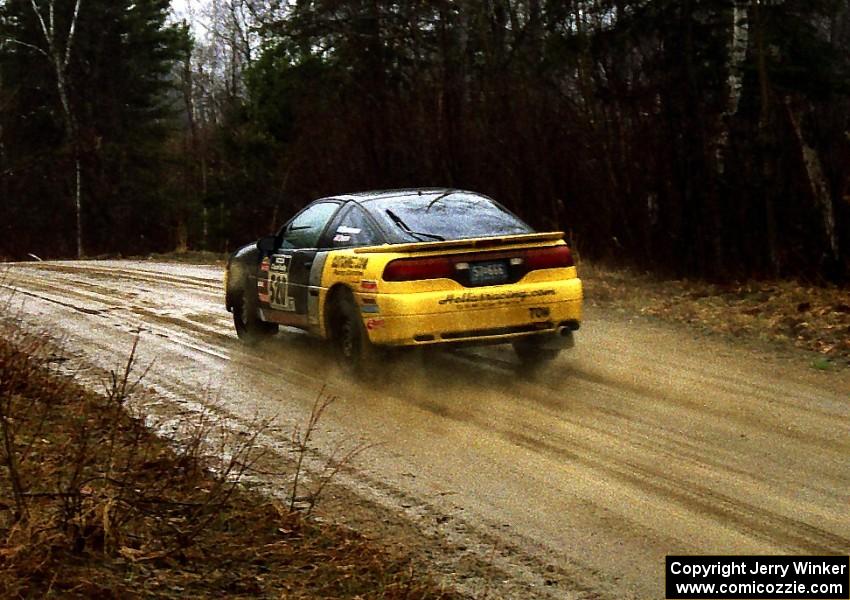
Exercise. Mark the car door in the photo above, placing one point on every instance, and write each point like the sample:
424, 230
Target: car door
287, 269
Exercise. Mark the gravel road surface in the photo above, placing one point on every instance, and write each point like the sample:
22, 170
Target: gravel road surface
643, 441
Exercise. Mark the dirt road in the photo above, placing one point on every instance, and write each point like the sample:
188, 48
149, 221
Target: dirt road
643, 441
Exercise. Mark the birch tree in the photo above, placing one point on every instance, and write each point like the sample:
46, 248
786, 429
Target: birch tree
58, 52
738, 43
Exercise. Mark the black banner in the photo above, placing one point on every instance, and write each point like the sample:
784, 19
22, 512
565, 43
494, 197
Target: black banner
790, 577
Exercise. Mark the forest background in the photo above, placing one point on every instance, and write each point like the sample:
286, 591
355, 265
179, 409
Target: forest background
705, 138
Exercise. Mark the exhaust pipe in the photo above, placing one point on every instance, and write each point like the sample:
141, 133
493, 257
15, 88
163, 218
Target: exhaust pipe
566, 327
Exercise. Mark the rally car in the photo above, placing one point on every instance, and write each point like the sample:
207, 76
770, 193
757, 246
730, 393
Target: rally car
408, 268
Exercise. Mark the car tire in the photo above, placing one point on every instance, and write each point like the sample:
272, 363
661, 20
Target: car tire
354, 352
249, 327
531, 354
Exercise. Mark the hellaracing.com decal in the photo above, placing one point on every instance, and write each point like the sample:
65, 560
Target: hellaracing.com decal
472, 298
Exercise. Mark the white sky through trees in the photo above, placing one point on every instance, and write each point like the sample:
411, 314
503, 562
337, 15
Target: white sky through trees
180, 7
190, 10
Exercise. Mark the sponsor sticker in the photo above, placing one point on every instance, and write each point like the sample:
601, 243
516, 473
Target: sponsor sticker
354, 263
374, 324
539, 312
472, 298
349, 266
263, 290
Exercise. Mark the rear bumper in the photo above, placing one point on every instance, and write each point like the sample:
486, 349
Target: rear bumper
476, 315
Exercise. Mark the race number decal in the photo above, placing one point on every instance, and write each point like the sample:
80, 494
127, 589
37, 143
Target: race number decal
279, 297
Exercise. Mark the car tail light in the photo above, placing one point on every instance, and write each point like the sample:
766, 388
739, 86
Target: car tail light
455, 267
410, 269
555, 257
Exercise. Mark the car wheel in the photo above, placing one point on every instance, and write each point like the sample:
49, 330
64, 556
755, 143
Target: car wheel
354, 351
249, 327
531, 354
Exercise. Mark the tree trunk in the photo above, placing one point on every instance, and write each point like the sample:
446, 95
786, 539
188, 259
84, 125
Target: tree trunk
78, 204
71, 134
739, 35
61, 59
765, 138
817, 180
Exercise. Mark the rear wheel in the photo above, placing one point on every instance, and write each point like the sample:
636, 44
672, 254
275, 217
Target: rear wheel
355, 352
249, 327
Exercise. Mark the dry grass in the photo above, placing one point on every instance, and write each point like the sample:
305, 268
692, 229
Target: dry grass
93, 504
784, 313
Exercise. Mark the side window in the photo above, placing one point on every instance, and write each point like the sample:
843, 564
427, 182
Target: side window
353, 228
305, 229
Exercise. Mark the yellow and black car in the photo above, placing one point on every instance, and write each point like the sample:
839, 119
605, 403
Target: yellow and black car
408, 268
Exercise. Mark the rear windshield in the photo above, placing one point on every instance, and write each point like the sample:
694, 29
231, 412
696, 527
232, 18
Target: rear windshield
434, 216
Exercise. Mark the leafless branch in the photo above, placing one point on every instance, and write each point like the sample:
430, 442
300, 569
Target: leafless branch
30, 46
71, 31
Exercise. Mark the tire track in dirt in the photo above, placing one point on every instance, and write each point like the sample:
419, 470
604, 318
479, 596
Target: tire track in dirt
641, 443
591, 446
182, 393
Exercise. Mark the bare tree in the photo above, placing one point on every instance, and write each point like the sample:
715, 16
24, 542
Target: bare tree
60, 56
737, 45
817, 180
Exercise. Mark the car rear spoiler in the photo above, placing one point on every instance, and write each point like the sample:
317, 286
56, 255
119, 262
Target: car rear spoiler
484, 242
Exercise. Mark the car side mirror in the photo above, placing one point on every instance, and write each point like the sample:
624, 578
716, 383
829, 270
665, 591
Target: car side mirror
266, 244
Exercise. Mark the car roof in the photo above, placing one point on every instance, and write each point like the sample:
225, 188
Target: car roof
361, 197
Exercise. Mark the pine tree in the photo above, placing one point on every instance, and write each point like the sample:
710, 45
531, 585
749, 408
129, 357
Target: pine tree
121, 92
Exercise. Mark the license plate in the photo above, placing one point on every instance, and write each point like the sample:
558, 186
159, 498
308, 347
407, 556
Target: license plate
488, 273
